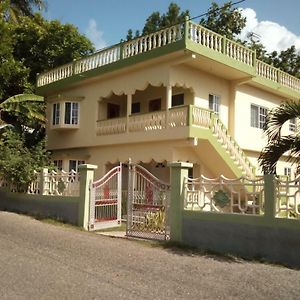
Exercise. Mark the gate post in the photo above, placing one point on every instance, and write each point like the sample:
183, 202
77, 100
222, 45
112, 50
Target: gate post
179, 170
270, 198
86, 178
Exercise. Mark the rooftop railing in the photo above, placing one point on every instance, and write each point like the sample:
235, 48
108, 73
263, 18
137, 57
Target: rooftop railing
159, 39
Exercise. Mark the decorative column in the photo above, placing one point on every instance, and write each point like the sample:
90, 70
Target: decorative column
168, 103
129, 105
86, 179
270, 198
179, 170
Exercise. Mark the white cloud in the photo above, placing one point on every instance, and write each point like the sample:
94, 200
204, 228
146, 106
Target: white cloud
95, 35
272, 35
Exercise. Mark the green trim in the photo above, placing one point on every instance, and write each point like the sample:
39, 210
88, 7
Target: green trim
220, 57
120, 64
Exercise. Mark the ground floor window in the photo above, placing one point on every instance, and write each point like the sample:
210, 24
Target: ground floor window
287, 171
258, 116
58, 164
73, 164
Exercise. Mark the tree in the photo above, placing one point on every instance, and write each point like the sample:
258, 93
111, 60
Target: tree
13, 74
156, 21
14, 9
43, 45
225, 20
277, 144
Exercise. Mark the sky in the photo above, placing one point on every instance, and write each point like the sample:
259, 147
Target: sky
105, 22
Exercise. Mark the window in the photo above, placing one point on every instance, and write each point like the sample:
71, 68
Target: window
177, 100
154, 105
73, 164
135, 107
293, 125
258, 116
58, 164
71, 113
287, 171
55, 114
214, 103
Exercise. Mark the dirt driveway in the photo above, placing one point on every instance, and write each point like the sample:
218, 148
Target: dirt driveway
44, 261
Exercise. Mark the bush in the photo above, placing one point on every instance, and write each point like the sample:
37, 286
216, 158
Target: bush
18, 162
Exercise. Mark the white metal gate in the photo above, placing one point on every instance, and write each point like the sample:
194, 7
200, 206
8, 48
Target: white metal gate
105, 200
147, 206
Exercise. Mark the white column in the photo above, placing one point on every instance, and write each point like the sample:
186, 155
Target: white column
168, 102
128, 113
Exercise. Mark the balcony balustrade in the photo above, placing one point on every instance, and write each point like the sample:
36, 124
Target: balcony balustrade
188, 31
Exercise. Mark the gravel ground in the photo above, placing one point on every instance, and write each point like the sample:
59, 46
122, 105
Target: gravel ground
44, 261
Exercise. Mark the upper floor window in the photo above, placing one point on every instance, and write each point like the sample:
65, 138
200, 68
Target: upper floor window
258, 116
214, 103
154, 105
293, 125
68, 110
55, 113
177, 100
71, 112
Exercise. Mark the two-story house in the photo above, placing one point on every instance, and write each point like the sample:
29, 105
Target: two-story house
183, 93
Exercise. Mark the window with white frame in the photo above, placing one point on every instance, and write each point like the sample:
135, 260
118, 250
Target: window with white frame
70, 111
214, 103
55, 113
73, 164
258, 116
293, 125
287, 171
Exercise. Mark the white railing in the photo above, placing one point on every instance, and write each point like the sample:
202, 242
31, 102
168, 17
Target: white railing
205, 37
223, 195
268, 72
99, 59
49, 183
287, 193
147, 122
239, 52
177, 117
152, 41
201, 117
236, 153
111, 126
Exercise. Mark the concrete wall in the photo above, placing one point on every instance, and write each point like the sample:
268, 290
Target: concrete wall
58, 207
247, 236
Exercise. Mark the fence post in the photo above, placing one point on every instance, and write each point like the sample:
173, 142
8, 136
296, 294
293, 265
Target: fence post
86, 177
270, 198
44, 181
179, 170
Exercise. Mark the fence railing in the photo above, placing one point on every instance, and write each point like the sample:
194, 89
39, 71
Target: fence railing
223, 195
242, 196
50, 183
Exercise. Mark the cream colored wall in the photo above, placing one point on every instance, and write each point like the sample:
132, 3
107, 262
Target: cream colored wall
202, 85
248, 137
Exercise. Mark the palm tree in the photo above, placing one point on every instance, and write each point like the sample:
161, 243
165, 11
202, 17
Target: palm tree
16, 8
277, 144
28, 107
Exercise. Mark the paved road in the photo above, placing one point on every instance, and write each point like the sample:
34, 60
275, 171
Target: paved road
44, 261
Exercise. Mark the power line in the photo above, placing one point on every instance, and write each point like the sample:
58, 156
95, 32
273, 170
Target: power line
217, 9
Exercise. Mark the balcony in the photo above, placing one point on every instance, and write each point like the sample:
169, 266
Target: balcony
197, 120
188, 36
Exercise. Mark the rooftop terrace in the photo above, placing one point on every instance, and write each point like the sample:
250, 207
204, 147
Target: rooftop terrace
189, 36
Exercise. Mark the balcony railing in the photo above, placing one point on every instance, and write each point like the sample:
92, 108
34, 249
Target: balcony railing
179, 117
188, 31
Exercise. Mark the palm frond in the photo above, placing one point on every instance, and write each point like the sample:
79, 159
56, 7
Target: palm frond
270, 155
278, 116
